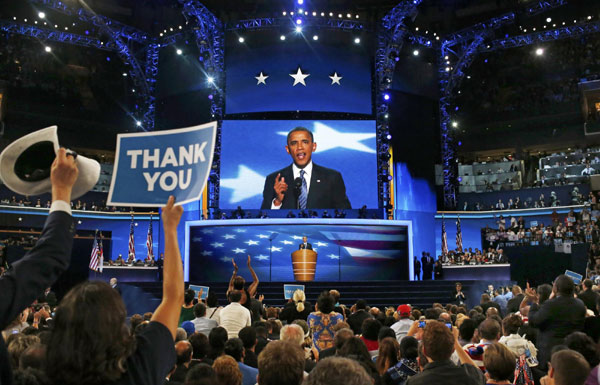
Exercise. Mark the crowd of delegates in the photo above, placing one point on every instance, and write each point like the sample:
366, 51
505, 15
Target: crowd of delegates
469, 257
576, 198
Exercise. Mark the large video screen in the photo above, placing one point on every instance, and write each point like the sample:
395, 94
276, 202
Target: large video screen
344, 156
365, 250
329, 74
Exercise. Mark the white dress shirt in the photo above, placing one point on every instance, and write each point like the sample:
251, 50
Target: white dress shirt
233, 318
296, 170
60, 206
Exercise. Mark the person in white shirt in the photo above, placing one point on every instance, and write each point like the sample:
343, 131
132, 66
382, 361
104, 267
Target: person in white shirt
234, 316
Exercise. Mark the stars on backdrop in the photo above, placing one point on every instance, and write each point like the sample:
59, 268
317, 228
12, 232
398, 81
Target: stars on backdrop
299, 78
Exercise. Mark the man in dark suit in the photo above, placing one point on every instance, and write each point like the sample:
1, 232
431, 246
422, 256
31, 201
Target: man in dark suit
427, 263
305, 244
43, 264
313, 186
556, 318
588, 296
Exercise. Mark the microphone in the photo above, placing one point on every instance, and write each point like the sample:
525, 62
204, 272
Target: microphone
297, 187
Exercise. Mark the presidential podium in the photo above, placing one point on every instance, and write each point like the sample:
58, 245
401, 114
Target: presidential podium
304, 262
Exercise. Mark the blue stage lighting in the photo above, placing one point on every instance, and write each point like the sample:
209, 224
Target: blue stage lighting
300, 2
298, 29
386, 96
298, 21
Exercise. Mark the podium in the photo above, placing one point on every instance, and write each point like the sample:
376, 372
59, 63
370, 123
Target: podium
304, 262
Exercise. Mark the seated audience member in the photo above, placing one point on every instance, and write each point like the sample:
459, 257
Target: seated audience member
187, 309
234, 316
583, 344
406, 366
262, 336
227, 371
281, 362
201, 374
217, 338
248, 337
184, 350
201, 323
18, 345
356, 319
438, 345
200, 349
486, 303
591, 325
557, 317
234, 347
370, 331
90, 343
567, 367
401, 327
588, 296
24, 282
341, 336
322, 321
489, 330
338, 371
297, 308
339, 308
189, 328
514, 342
387, 357
499, 364
295, 335
355, 349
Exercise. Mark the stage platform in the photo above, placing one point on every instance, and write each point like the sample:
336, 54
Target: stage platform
127, 273
494, 272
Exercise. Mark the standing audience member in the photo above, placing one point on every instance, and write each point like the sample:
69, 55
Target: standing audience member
248, 337
187, 309
201, 323
297, 308
234, 316
322, 321
90, 343
217, 339
588, 296
401, 327
557, 317
489, 330
44, 263
212, 306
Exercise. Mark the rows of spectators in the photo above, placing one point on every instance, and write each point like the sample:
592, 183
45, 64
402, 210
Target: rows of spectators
25, 201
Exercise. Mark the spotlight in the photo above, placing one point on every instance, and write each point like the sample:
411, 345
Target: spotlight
340, 15
417, 29
160, 34
298, 21
241, 39
388, 136
315, 37
300, 2
386, 116
416, 52
589, 18
330, 14
282, 37
459, 143
284, 13
539, 51
138, 123
549, 20
322, 13
357, 40
300, 11
41, 15
455, 124
210, 97
314, 13
357, 16
210, 79
179, 52
348, 15
386, 96
47, 49
446, 57
298, 29
447, 69
124, 74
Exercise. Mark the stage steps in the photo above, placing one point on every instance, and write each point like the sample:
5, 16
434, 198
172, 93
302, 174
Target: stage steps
421, 294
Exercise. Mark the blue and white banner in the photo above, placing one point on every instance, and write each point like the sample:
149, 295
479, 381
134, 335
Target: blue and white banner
288, 290
197, 289
150, 166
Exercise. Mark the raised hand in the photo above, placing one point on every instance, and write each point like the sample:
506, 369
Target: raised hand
171, 214
280, 188
63, 174
235, 266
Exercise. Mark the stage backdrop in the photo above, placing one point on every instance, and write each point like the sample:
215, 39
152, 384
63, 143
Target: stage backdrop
253, 149
339, 73
347, 249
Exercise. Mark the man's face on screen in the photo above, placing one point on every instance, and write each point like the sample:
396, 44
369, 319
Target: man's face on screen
300, 146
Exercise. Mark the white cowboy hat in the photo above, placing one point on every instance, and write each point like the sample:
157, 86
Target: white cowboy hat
25, 165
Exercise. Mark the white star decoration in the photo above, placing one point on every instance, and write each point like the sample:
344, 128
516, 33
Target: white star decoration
321, 244
251, 242
299, 77
327, 139
216, 244
296, 237
207, 231
262, 257
333, 256
237, 250
206, 253
226, 259
247, 184
275, 248
261, 79
262, 236
240, 230
335, 79
286, 242
197, 239
229, 236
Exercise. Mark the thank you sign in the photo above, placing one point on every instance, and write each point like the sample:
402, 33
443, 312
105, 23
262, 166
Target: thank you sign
150, 166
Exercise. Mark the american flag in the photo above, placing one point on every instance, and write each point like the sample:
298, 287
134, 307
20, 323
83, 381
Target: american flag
100, 254
94, 258
150, 253
444, 238
459, 244
131, 241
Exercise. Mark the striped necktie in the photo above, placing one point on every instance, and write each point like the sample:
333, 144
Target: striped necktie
303, 191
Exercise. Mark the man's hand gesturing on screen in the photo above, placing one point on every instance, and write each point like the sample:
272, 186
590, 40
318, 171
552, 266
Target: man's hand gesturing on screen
280, 188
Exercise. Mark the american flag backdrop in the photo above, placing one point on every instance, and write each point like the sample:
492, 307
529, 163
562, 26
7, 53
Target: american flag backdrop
94, 258
150, 253
345, 251
459, 244
131, 241
444, 238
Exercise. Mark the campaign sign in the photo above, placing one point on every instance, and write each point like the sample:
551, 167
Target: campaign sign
197, 289
288, 290
533, 224
574, 276
150, 166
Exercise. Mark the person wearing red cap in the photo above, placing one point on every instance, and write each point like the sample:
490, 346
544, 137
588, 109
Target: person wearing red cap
401, 327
